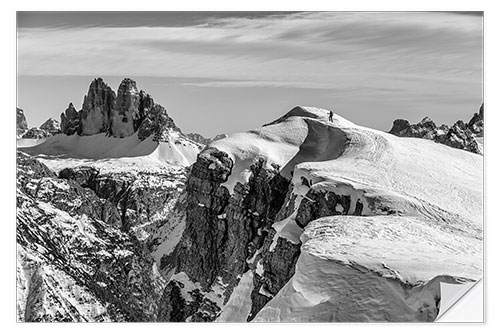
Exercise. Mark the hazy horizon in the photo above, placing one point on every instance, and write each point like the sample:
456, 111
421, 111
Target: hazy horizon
230, 72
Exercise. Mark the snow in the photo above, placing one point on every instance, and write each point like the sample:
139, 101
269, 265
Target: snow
362, 161
215, 295
260, 268
265, 292
239, 305
409, 245
20, 143
168, 235
122, 253
327, 290
177, 151
352, 266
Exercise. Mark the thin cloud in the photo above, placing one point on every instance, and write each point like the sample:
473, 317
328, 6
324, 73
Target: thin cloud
318, 50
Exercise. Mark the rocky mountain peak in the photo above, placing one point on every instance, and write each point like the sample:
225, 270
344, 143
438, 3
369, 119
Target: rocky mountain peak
52, 126
205, 141
128, 111
21, 123
70, 120
97, 107
427, 122
476, 124
461, 135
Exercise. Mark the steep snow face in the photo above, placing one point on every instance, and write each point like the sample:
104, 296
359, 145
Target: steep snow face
375, 268
277, 142
176, 150
407, 215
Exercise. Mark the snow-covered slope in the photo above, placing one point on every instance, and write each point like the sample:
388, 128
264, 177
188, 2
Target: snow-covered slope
177, 150
407, 216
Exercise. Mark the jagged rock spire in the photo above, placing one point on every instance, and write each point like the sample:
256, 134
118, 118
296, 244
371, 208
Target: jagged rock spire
119, 115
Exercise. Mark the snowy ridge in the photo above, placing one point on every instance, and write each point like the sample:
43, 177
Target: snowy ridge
414, 217
177, 150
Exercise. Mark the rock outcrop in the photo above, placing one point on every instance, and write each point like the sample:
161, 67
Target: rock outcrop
21, 123
460, 135
36, 133
205, 141
75, 262
156, 123
98, 104
51, 126
223, 235
119, 115
476, 124
141, 199
48, 128
125, 110
71, 120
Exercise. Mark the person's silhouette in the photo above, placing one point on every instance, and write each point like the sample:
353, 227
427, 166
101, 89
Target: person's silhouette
330, 116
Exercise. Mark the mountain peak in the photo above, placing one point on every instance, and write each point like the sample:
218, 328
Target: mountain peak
119, 114
316, 113
21, 123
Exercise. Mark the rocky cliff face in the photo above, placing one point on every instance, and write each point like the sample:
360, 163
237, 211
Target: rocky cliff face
76, 261
21, 123
228, 235
126, 110
70, 121
120, 115
142, 199
476, 124
97, 107
223, 237
156, 123
460, 135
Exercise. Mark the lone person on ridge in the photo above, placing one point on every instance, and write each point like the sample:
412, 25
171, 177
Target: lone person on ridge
330, 116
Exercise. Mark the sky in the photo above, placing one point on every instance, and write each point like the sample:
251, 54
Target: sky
230, 72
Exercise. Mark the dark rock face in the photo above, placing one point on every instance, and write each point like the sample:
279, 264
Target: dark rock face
137, 198
51, 126
97, 107
126, 109
72, 254
21, 123
460, 135
476, 124
71, 121
83, 176
426, 129
223, 232
119, 115
228, 234
157, 123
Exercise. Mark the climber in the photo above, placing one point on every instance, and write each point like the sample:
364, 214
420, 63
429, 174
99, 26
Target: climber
330, 117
